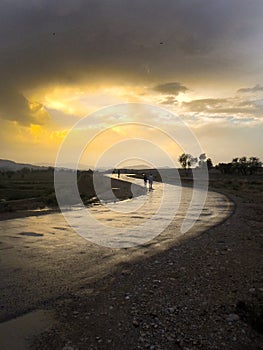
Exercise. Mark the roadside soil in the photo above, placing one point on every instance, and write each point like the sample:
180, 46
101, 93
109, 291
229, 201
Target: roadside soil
35, 206
202, 293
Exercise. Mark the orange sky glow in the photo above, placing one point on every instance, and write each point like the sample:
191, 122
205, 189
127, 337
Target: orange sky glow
201, 63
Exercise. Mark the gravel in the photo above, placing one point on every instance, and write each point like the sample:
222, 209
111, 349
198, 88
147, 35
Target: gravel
204, 293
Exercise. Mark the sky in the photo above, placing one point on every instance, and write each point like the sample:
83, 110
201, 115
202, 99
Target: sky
62, 60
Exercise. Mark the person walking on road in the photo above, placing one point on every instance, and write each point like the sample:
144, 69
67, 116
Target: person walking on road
151, 181
145, 179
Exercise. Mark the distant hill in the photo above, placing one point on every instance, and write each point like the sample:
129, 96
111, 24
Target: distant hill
143, 167
6, 164
137, 167
80, 166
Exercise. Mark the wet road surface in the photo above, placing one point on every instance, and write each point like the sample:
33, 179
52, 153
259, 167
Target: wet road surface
43, 258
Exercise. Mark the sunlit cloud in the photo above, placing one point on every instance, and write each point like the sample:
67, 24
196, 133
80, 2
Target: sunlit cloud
169, 100
236, 109
63, 61
256, 88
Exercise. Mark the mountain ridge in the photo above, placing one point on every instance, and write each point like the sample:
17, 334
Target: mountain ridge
7, 164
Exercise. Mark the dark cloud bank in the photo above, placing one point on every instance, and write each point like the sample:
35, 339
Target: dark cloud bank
45, 42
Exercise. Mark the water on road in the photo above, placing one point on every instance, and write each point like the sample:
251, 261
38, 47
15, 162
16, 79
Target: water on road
42, 257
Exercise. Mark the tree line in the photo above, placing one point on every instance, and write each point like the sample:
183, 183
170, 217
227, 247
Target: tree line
187, 161
243, 165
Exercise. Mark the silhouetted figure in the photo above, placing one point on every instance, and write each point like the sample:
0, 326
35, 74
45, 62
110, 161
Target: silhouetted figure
145, 179
150, 181
119, 173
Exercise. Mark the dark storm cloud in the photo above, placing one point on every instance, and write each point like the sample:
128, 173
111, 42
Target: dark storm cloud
15, 107
256, 88
139, 41
170, 88
63, 39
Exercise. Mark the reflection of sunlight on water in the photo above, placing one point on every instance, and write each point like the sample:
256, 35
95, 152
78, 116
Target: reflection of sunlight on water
42, 256
135, 221
53, 227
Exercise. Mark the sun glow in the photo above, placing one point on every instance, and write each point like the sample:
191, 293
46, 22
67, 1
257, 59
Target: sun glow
84, 99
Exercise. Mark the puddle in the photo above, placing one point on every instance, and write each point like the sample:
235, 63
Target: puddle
31, 234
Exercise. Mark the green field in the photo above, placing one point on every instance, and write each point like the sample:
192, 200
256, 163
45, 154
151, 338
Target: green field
25, 185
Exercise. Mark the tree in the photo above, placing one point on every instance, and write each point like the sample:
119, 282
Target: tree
183, 160
254, 164
242, 166
187, 160
246, 166
191, 161
225, 168
209, 163
202, 159
203, 162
